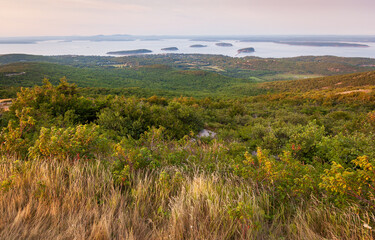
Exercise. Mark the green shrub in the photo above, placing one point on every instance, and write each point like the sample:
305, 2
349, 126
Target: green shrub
356, 183
79, 142
343, 149
303, 142
16, 137
288, 177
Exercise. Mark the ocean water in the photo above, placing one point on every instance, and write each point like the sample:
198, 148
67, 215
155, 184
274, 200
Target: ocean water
262, 49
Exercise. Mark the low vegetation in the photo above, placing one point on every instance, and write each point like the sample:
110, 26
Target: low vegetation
89, 164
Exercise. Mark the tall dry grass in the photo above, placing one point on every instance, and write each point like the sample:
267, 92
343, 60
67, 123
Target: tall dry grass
45, 199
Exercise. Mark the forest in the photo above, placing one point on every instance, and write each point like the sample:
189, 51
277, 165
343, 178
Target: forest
112, 151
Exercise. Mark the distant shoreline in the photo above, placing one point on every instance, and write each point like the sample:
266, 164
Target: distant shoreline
16, 42
324, 44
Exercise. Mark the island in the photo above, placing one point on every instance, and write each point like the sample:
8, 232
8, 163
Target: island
246, 50
324, 44
224, 44
130, 52
198, 46
170, 49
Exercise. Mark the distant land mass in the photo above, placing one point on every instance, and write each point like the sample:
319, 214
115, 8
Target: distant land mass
150, 39
17, 42
198, 46
170, 49
204, 40
224, 44
246, 50
129, 52
325, 44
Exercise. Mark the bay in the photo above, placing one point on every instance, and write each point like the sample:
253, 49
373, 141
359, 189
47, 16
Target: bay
262, 49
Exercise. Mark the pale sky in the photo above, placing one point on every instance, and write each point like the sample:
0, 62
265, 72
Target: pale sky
186, 17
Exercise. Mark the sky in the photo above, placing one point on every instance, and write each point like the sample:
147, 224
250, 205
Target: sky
186, 17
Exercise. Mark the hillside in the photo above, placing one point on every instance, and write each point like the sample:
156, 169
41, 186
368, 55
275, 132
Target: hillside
363, 79
154, 78
113, 160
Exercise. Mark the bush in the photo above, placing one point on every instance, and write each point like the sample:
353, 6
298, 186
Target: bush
15, 138
288, 177
343, 149
80, 142
354, 183
303, 142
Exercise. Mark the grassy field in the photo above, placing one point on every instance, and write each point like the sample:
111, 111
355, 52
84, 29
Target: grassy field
60, 200
279, 77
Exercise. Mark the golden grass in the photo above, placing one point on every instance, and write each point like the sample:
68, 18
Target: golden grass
63, 200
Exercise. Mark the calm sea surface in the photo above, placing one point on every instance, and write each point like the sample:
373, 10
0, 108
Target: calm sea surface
262, 49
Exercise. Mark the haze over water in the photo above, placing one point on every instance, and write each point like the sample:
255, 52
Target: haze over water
262, 49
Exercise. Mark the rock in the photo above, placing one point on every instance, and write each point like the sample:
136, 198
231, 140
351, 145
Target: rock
206, 133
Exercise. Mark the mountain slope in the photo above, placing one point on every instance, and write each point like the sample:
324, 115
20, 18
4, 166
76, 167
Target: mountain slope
362, 79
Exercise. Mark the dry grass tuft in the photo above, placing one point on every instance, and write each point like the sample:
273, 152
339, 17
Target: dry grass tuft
61, 200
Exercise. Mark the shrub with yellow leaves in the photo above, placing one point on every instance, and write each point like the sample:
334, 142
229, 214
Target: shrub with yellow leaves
357, 183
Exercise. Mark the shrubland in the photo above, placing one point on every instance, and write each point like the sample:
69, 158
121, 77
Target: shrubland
170, 75
287, 165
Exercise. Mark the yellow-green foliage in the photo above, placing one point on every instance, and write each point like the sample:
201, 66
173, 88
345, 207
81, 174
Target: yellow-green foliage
81, 141
13, 138
357, 182
288, 177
